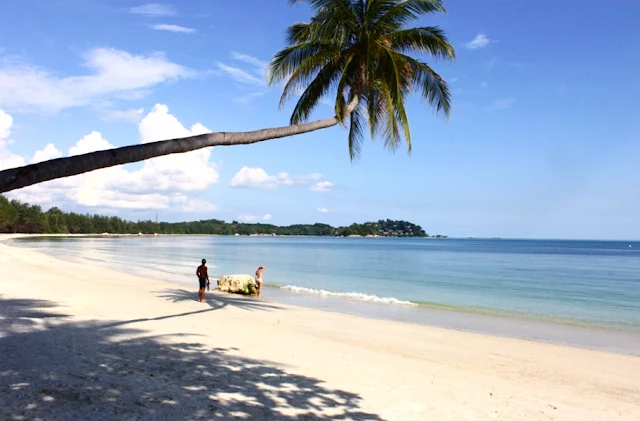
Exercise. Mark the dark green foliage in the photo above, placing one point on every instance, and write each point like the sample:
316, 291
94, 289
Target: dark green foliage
363, 53
18, 217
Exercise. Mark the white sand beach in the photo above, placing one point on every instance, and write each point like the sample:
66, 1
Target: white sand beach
78, 342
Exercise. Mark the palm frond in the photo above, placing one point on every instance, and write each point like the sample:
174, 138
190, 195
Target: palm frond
305, 73
298, 33
432, 86
286, 61
341, 89
391, 132
327, 78
393, 14
356, 128
428, 39
375, 108
334, 20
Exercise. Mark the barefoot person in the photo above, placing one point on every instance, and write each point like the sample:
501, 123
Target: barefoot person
259, 279
203, 279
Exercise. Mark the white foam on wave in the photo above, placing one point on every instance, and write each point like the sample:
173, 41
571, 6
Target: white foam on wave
348, 295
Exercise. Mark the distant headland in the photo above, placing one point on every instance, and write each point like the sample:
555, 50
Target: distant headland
20, 217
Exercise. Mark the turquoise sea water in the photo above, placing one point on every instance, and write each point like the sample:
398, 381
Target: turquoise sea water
589, 283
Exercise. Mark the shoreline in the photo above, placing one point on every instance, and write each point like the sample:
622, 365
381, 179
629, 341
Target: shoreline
514, 325
170, 357
580, 336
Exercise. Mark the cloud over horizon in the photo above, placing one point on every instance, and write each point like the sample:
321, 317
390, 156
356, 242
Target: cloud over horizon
254, 218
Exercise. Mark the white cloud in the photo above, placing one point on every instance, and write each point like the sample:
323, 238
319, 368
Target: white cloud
10, 160
241, 76
113, 73
502, 104
7, 159
257, 178
162, 183
153, 10
480, 41
195, 205
173, 28
253, 74
49, 152
90, 143
322, 210
260, 66
6, 121
254, 218
132, 115
323, 186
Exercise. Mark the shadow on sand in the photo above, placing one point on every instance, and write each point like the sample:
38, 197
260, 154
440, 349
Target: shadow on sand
55, 368
217, 299
213, 301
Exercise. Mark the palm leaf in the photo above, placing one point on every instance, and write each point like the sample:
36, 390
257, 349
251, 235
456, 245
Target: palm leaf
327, 78
362, 50
432, 86
394, 14
428, 39
356, 128
287, 61
304, 74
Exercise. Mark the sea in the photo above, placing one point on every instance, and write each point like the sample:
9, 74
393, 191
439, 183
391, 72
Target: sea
578, 293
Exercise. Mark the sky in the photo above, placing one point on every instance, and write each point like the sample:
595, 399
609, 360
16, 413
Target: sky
543, 139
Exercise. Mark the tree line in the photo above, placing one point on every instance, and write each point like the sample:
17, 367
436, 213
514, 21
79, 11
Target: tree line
20, 217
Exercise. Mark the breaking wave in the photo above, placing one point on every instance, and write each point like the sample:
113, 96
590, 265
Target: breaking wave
358, 296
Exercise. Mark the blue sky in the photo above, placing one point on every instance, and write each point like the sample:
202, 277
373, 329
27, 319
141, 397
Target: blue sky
543, 141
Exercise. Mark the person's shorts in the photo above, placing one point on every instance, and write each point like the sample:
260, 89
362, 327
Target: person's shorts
203, 282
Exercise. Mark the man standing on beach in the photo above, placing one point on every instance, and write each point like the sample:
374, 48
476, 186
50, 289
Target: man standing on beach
203, 279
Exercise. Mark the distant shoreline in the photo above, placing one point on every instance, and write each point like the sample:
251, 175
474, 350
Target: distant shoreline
6, 236
108, 235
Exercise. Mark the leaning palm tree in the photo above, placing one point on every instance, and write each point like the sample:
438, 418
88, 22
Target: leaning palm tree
354, 51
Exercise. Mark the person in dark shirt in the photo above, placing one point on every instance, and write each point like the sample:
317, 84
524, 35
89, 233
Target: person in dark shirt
203, 279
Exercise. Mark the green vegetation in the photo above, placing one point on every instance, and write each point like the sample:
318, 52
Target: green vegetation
19, 217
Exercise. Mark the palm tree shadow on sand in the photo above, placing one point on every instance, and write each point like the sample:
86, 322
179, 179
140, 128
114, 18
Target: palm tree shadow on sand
217, 300
56, 368
213, 301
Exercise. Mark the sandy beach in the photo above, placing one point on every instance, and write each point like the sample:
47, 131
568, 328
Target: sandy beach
79, 342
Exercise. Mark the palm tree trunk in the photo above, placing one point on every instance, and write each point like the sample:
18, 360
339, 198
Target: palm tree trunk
27, 175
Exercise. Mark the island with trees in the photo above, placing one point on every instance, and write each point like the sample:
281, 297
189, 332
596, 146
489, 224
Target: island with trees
20, 217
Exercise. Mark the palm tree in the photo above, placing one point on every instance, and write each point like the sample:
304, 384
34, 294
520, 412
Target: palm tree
355, 50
